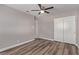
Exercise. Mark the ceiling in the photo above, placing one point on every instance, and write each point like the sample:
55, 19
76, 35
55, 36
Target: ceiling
58, 8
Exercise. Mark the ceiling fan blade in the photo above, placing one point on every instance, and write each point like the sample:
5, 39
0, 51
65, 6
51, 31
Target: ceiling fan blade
49, 8
40, 6
35, 10
39, 13
47, 12
27, 11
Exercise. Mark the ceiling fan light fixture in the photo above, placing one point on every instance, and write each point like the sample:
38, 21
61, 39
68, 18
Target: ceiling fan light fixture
42, 11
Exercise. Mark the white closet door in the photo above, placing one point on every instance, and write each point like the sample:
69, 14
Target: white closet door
58, 29
65, 29
69, 29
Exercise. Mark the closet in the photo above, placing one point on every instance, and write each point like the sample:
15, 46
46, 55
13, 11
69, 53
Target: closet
65, 29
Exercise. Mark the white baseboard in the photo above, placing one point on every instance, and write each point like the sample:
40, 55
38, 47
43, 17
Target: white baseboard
12, 46
47, 38
77, 45
55, 40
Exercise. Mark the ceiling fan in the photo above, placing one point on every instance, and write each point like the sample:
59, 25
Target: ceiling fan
43, 9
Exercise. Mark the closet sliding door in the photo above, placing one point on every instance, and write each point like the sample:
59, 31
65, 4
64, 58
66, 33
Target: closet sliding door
58, 29
64, 29
69, 30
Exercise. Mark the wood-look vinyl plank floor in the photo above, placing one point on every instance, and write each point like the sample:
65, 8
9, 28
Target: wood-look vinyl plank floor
40, 46
50, 49
13, 50
60, 49
43, 47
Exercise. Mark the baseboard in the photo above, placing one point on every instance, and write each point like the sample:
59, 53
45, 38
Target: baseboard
47, 38
6, 48
55, 40
77, 45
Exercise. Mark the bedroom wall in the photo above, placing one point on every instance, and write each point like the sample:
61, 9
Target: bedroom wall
15, 27
45, 27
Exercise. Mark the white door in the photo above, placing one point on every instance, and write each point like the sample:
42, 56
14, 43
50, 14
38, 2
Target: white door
64, 29
69, 30
58, 29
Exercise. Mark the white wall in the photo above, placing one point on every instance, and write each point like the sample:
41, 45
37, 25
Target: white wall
45, 27
15, 27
